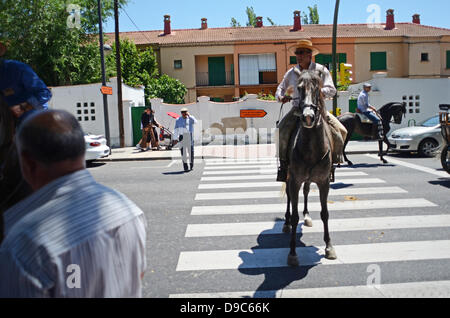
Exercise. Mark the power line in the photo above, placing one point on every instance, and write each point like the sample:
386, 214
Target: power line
137, 28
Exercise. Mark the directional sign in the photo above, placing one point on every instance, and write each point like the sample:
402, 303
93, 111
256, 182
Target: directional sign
106, 90
253, 113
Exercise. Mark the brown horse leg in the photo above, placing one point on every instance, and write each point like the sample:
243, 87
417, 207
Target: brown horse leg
287, 223
329, 249
294, 189
307, 218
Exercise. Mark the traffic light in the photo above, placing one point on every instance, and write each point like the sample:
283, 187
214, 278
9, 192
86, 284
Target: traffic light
346, 74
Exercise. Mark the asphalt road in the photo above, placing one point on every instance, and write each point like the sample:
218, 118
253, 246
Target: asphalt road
219, 236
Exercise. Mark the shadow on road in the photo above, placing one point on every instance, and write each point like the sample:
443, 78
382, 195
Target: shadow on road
94, 164
276, 278
444, 182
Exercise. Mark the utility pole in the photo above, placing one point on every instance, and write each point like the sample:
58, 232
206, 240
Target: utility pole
334, 58
102, 61
119, 75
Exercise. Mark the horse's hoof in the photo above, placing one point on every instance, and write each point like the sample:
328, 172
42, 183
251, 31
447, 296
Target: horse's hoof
308, 222
293, 260
286, 229
350, 163
330, 253
385, 161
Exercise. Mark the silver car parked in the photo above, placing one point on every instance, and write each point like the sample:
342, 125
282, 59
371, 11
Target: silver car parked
424, 138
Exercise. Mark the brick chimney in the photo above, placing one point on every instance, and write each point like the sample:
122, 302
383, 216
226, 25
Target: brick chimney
416, 18
390, 21
204, 23
297, 21
259, 22
167, 24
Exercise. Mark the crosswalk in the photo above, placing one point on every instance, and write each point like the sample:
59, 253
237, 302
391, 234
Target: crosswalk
236, 199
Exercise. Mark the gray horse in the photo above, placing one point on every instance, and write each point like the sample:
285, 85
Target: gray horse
310, 160
13, 187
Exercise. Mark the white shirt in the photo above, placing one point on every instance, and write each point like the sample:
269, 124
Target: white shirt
291, 79
73, 238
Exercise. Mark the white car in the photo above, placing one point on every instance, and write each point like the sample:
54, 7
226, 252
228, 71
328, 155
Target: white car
96, 147
425, 138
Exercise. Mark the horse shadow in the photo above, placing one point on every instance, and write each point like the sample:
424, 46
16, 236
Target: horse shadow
444, 182
276, 278
367, 165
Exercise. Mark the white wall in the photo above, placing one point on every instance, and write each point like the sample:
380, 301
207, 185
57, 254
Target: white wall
68, 98
432, 92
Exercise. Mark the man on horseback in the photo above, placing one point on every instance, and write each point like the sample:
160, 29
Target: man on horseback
366, 109
304, 51
21, 88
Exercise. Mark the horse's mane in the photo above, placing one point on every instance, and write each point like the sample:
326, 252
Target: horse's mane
393, 104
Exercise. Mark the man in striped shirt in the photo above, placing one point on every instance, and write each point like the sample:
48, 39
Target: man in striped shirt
72, 237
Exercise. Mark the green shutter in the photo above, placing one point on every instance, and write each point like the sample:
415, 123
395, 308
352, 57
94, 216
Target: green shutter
293, 60
378, 61
216, 69
448, 59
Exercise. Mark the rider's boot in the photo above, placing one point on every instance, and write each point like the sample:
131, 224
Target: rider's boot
282, 171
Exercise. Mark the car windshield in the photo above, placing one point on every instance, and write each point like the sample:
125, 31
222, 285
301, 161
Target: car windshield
430, 122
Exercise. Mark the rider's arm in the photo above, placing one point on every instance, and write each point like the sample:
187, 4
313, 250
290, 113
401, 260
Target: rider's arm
328, 89
35, 87
282, 88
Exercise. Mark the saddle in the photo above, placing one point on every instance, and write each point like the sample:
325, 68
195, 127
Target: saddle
364, 119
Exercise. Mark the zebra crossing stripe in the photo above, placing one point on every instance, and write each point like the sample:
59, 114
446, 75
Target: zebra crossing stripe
249, 162
267, 166
430, 289
313, 193
254, 171
237, 160
278, 184
271, 176
311, 255
336, 225
313, 206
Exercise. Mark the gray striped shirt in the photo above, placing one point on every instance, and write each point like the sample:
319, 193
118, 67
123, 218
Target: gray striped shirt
73, 238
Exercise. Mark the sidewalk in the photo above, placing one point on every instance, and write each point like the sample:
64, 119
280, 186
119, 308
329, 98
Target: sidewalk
228, 151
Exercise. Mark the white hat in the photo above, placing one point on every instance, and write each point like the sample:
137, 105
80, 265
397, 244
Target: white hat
367, 85
184, 109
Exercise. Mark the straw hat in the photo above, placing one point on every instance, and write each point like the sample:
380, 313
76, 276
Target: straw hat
2, 49
184, 109
304, 44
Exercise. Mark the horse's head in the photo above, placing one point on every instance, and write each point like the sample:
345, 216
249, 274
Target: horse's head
398, 110
310, 98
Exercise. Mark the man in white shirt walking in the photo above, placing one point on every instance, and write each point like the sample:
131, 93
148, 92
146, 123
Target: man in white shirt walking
184, 133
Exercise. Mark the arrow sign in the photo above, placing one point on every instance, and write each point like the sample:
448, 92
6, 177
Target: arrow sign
253, 113
106, 90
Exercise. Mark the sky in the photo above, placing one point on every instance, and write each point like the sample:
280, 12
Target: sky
187, 14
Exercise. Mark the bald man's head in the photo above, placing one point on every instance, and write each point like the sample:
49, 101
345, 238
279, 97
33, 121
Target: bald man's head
51, 136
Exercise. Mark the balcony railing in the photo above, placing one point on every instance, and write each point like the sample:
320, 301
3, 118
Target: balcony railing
220, 79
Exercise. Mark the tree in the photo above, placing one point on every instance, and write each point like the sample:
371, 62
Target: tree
139, 67
251, 19
313, 17
57, 39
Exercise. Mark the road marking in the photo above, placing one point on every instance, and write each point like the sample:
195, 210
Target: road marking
336, 225
312, 193
275, 184
258, 171
172, 163
261, 166
311, 255
432, 289
243, 160
313, 206
414, 166
272, 176
249, 162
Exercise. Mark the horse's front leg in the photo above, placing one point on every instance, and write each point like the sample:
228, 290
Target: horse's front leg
287, 222
324, 188
294, 188
380, 151
343, 152
307, 218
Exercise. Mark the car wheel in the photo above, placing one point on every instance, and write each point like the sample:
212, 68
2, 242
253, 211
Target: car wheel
427, 148
445, 159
